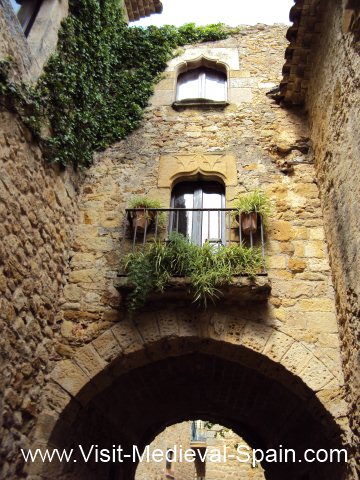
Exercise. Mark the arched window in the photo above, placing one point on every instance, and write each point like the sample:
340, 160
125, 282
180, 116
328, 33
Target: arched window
26, 11
207, 221
202, 83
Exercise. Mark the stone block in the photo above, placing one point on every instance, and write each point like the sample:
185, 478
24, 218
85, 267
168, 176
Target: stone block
280, 230
73, 380
240, 95
167, 322
333, 397
58, 400
239, 74
321, 321
277, 262
316, 375
107, 346
314, 249
316, 233
168, 84
316, 305
277, 345
72, 293
88, 275
90, 361
162, 97
296, 265
148, 327
296, 358
128, 336
318, 265
301, 233
255, 336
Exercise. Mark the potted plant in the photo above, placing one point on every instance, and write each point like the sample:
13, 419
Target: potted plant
248, 208
144, 218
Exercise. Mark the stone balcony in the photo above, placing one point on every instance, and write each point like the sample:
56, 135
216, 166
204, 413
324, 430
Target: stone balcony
242, 290
219, 227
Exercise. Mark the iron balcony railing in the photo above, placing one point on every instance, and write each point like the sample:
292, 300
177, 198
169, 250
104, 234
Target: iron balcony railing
219, 226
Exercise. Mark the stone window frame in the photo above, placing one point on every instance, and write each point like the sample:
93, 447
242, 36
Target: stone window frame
192, 64
239, 80
184, 166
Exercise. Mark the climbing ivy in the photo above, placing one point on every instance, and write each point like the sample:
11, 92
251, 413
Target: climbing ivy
95, 87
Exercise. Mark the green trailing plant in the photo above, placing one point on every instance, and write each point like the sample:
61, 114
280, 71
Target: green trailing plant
149, 203
256, 201
144, 202
95, 87
208, 267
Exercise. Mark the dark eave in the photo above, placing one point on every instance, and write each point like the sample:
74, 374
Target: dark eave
142, 8
306, 16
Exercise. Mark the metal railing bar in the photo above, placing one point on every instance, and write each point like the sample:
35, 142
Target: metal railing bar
223, 220
208, 224
229, 228
182, 209
240, 229
156, 224
145, 228
219, 225
262, 241
134, 237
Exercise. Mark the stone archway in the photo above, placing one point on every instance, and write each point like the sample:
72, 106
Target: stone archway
134, 380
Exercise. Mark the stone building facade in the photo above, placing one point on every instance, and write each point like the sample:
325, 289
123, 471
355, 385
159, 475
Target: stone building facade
222, 446
79, 370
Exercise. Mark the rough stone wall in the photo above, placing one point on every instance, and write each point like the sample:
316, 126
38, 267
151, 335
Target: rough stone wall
334, 113
13, 44
37, 209
180, 435
262, 136
270, 145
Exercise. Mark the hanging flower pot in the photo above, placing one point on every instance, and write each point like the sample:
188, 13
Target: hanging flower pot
249, 223
247, 208
140, 220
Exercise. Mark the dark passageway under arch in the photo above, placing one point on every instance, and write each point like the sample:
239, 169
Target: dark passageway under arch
137, 406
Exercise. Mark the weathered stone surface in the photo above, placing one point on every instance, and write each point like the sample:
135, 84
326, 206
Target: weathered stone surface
333, 104
58, 311
34, 254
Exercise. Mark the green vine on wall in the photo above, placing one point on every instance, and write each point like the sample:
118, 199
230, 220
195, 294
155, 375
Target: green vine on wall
95, 87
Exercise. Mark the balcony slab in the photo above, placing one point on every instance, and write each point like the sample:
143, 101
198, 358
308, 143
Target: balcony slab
242, 290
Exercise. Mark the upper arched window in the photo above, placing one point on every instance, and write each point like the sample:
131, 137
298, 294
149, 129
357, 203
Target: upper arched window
202, 83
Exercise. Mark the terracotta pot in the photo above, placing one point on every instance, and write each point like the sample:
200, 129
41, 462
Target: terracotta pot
139, 220
249, 223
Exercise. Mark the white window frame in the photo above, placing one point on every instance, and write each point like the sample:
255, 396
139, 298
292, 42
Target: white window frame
203, 80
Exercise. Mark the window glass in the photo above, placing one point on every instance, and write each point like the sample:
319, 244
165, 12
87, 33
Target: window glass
26, 13
199, 225
204, 83
15, 6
